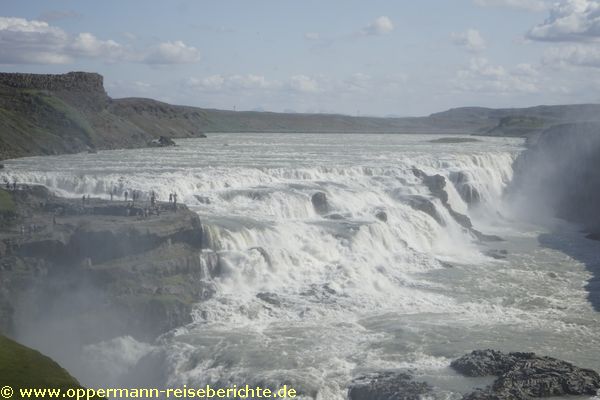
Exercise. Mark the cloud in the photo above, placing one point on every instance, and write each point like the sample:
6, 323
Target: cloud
303, 83
31, 42
87, 45
581, 55
570, 20
381, 26
172, 53
483, 77
25, 41
471, 40
530, 5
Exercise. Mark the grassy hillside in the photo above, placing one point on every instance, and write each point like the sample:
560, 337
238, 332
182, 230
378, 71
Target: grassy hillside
22, 367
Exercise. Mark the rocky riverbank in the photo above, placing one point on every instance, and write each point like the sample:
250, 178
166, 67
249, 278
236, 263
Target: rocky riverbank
108, 268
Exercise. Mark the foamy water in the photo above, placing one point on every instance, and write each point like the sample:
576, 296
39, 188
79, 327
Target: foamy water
351, 294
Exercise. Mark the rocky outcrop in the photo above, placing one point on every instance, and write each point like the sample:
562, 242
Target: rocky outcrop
387, 386
437, 187
381, 215
320, 203
72, 81
522, 376
162, 141
146, 272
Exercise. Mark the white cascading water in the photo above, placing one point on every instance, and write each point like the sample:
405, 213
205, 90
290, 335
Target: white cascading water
313, 299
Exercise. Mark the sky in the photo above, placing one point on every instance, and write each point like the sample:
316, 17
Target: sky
376, 57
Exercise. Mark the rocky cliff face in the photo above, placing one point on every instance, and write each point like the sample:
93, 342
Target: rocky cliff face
100, 269
53, 114
72, 81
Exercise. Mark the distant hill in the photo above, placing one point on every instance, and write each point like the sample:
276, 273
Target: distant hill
52, 114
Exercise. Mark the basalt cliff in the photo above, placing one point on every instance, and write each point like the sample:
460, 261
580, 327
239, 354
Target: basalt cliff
90, 270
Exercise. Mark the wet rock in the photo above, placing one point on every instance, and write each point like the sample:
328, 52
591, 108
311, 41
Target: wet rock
270, 298
335, 217
462, 219
522, 376
382, 216
425, 205
552, 275
320, 203
497, 254
484, 363
486, 238
162, 141
436, 185
387, 386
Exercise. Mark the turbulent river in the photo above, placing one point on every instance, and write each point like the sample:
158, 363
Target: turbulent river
315, 300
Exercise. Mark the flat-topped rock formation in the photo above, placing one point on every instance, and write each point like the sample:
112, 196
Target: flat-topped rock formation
131, 269
78, 81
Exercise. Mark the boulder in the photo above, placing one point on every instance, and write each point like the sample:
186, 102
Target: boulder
387, 386
162, 141
320, 203
382, 216
522, 376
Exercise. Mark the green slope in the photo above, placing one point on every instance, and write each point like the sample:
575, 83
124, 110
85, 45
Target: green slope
22, 367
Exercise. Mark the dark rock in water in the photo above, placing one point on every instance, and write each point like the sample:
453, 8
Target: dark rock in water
436, 185
552, 275
270, 298
445, 264
387, 386
319, 202
522, 376
462, 219
486, 238
382, 216
425, 205
484, 363
162, 141
335, 217
1, 166
497, 254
